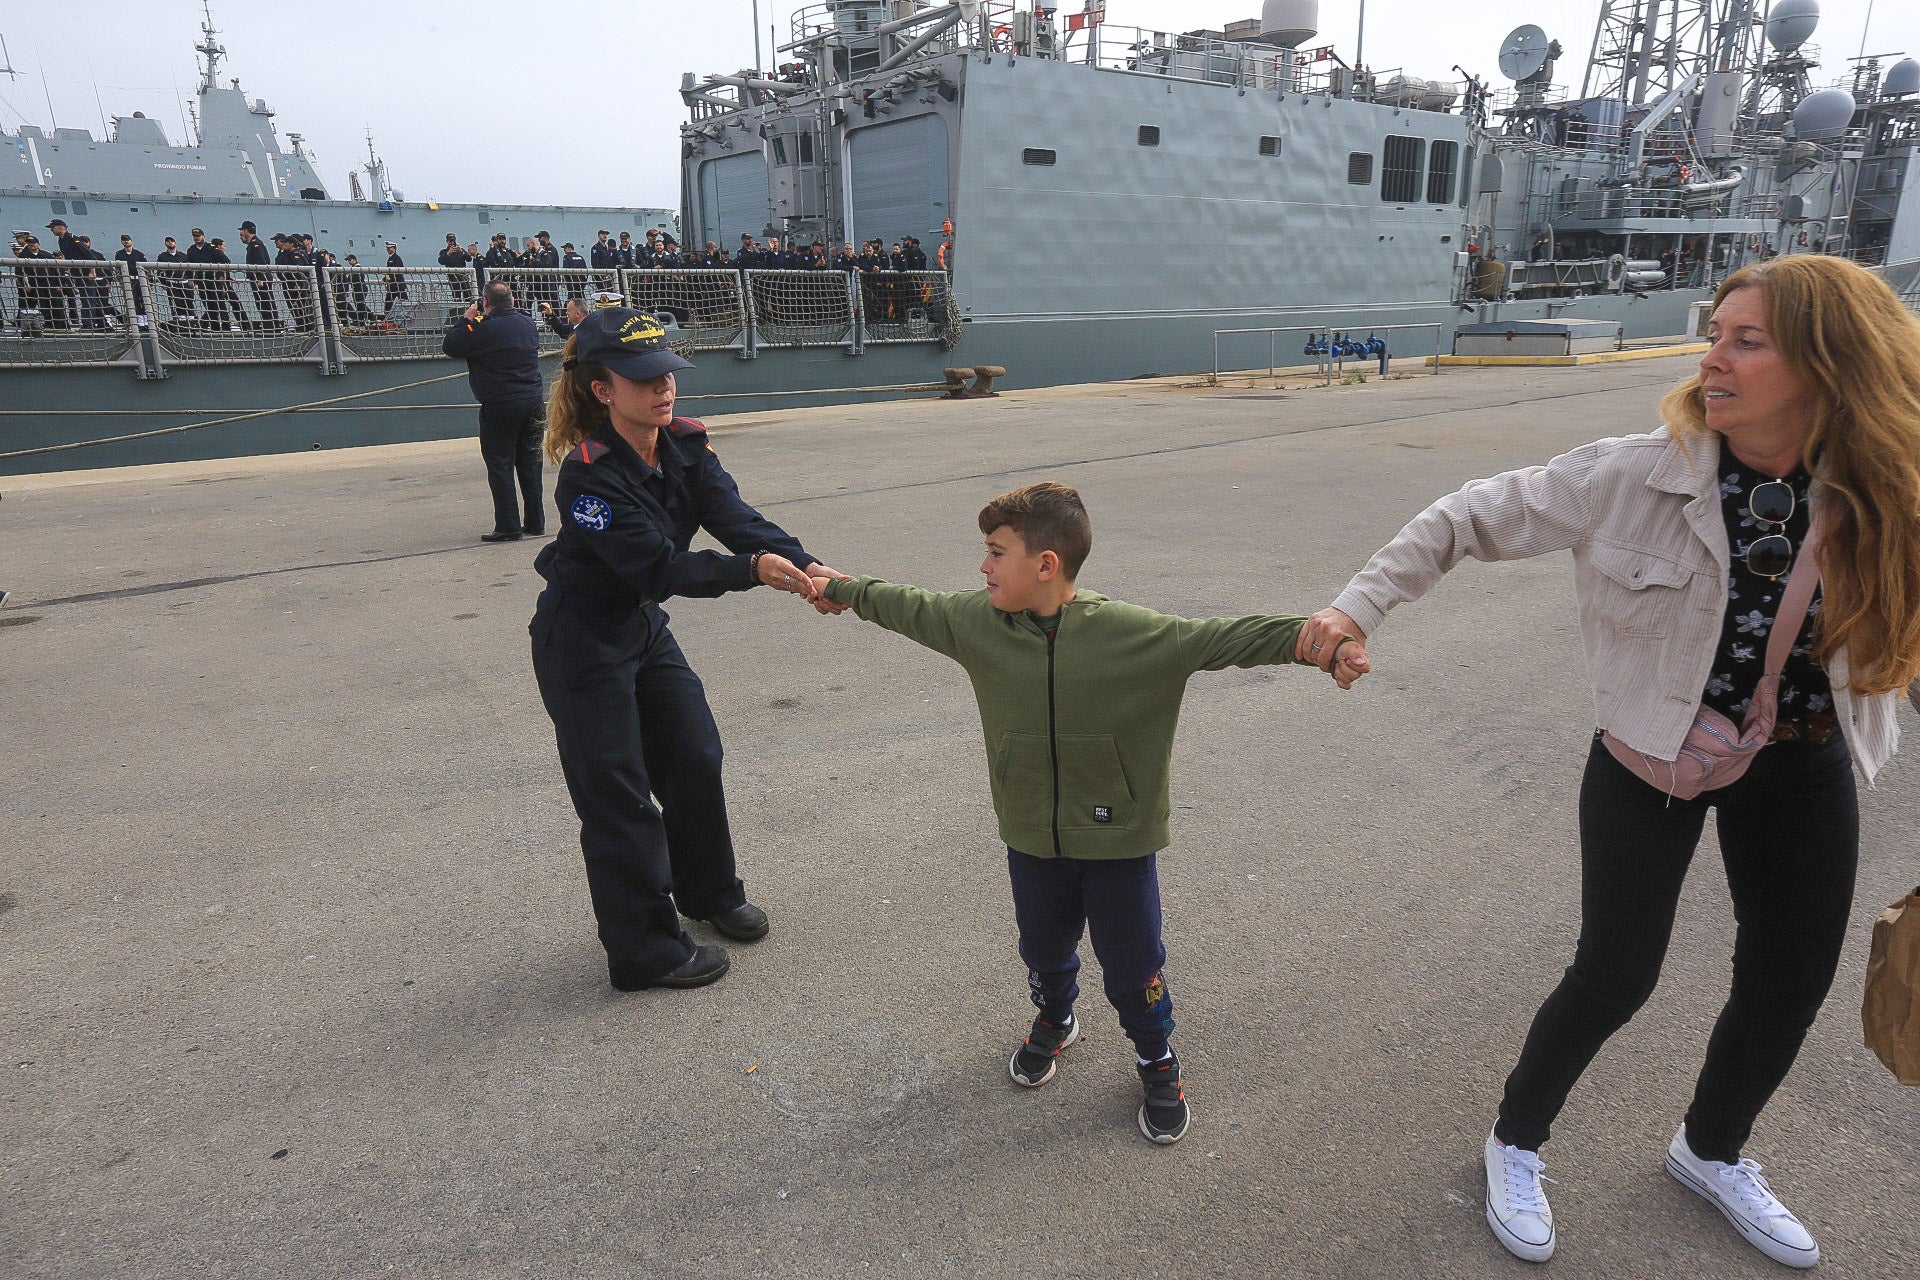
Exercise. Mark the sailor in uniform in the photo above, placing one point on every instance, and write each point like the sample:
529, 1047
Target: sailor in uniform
630, 716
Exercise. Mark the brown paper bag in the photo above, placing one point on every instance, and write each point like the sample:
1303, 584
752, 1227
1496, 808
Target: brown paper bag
1891, 1012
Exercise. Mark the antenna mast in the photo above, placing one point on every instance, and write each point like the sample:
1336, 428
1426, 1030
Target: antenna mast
209, 49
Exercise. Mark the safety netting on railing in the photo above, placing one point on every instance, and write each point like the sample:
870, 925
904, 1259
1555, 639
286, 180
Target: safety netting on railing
55, 312
907, 306
395, 313
213, 312
709, 306
801, 308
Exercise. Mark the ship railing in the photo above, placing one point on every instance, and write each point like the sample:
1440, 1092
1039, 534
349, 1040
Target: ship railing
801, 309
1561, 277
394, 313
709, 307
1205, 59
56, 313
543, 291
906, 306
212, 313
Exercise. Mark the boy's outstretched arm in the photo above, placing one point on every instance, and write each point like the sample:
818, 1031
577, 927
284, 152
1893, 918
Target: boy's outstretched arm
925, 617
1262, 640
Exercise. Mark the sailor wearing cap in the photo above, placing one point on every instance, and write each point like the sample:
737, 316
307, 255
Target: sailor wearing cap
630, 715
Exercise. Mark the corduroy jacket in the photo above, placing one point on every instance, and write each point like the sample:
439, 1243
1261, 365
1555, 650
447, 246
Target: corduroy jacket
1642, 516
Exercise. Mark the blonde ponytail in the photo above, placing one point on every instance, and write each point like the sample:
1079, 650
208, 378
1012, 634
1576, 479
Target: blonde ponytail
573, 411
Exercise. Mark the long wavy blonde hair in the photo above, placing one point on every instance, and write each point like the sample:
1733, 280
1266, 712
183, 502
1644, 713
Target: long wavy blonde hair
573, 411
1858, 349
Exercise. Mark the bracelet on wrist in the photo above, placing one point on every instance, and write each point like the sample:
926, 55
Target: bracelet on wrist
753, 568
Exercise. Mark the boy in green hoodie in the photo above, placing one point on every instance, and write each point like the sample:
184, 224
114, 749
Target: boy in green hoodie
1079, 698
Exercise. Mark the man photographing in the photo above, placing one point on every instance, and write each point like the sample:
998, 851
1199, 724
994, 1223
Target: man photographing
502, 349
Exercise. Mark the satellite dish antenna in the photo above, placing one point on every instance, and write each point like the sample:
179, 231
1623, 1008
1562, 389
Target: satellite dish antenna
1524, 53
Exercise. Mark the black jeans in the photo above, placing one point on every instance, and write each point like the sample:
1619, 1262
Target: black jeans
510, 444
632, 723
1118, 901
1790, 839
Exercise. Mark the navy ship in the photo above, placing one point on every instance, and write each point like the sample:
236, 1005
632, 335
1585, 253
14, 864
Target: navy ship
138, 182
1096, 203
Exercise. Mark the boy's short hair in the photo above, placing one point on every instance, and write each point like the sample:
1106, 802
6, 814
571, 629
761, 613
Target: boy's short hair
1048, 517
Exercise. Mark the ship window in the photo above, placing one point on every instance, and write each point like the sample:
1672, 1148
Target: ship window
1440, 172
80, 207
1037, 155
59, 206
806, 148
778, 146
1466, 179
1400, 171
639, 219
485, 217
1269, 145
1360, 168
1149, 135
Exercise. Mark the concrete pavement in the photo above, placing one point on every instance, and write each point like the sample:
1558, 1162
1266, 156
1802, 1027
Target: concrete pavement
299, 975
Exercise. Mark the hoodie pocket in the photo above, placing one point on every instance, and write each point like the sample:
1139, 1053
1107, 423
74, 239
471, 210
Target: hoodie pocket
1093, 787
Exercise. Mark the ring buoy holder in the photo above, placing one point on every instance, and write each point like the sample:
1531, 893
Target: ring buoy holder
1616, 271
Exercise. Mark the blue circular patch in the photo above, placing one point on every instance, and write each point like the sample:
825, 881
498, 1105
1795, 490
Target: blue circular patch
591, 513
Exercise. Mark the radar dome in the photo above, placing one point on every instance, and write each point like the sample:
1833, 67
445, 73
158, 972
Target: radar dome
1289, 23
1903, 78
1823, 116
1790, 23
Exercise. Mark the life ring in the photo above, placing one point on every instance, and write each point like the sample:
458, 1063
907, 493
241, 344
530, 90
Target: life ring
1753, 244
941, 256
1616, 271
1002, 41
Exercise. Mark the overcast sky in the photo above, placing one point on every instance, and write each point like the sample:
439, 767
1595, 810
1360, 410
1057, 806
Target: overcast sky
492, 100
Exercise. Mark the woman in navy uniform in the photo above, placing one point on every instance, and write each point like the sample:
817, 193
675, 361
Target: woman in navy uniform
630, 715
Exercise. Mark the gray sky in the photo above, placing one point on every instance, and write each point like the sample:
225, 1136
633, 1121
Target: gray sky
473, 100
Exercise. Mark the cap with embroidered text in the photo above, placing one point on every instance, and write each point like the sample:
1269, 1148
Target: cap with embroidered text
628, 342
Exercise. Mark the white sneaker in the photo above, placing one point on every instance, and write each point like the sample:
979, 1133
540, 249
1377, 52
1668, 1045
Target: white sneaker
1517, 1203
1739, 1192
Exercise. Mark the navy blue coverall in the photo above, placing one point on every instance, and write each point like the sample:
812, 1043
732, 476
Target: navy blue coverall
630, 715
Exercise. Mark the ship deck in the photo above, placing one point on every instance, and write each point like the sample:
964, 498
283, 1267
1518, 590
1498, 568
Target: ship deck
300, 976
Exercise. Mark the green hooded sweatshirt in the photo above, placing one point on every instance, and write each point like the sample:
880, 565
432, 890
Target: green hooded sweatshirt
1079, 725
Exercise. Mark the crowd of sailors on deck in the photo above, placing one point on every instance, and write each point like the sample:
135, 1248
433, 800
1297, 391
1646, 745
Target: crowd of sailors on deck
68, 300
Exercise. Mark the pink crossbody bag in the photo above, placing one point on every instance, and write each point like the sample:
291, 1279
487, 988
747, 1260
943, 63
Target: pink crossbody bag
1716, 751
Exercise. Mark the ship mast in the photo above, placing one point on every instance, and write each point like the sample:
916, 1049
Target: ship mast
209, 49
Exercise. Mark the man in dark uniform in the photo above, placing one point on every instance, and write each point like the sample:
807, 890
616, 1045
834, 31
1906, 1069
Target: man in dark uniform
179, 289
571, 260
133, 258
395, 282
356, 312
498, 255
547, 258
41, 289
260, 284
299, 293
223, 304
630, 716
201, 253
69, 244
502, 349
456, 258
602, 253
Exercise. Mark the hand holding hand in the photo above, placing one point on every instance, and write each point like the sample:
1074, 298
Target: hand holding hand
1322, 631
822, 574
779, 572
1353, 663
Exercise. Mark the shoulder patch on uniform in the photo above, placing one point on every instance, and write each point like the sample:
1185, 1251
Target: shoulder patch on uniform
591, 513
694, 430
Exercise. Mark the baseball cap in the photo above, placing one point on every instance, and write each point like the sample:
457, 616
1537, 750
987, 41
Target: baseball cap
57, 222
248, 226
628, 342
